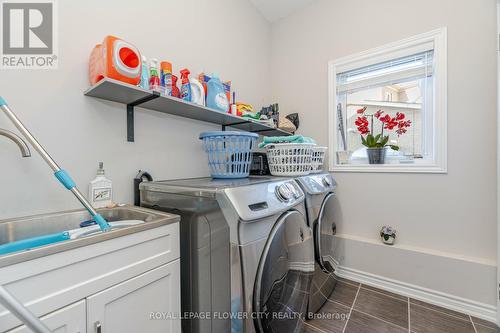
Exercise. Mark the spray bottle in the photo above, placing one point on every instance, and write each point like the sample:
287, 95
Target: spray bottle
175, 89
186, 86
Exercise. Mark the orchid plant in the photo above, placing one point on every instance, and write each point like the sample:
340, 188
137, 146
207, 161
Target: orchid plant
388, 123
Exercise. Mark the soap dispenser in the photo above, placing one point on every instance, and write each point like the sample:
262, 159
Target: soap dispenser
101, 189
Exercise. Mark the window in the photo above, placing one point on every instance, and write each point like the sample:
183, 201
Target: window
404, 78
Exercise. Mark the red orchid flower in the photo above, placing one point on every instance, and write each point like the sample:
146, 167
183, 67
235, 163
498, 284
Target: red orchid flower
401, 131
385, 119
362, 124
400, 116
363, 130
378, 114
404, 124
361, 121
402, 127
361, 111
391, 124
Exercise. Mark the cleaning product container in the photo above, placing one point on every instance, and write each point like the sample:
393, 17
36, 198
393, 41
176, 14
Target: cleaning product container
317, 159
229, 153
115, 59
290, 159
216, 95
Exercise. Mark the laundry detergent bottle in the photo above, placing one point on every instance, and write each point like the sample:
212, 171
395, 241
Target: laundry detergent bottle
216, 95
185, 85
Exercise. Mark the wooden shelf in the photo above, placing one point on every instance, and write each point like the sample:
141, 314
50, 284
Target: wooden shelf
132, 96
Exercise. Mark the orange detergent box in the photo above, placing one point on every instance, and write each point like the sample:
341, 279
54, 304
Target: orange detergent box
115, 59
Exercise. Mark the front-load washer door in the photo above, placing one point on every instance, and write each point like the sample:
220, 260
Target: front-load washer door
284, 275
324, 233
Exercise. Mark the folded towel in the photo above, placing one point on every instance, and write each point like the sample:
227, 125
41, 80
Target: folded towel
286, 139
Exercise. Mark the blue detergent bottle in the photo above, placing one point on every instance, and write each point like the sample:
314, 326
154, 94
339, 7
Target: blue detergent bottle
216, 95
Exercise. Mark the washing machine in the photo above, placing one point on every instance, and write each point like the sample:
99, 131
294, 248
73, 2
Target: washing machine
319, 192
247, 254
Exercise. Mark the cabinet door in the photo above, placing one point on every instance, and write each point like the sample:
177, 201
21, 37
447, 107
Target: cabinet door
147, 303
70, 319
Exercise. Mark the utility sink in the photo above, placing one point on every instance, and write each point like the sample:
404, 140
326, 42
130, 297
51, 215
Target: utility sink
18, 229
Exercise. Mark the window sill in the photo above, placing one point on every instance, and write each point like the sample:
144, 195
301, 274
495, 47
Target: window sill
389, 168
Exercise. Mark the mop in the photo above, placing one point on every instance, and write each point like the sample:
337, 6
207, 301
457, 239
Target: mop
59, 173
6, 299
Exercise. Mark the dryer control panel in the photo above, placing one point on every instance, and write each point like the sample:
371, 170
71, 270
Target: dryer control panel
318, 184
261, 200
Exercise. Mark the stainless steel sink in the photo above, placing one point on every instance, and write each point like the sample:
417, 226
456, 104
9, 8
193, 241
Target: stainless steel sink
16, 229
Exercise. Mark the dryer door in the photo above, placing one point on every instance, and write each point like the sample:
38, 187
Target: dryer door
284, 276
324, 232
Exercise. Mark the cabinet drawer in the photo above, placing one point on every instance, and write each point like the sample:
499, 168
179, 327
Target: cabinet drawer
70, 319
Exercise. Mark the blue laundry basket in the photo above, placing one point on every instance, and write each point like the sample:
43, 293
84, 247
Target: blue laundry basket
229, 153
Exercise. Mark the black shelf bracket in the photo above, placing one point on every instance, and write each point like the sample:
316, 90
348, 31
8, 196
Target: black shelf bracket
267, 130
130, 113
234, 124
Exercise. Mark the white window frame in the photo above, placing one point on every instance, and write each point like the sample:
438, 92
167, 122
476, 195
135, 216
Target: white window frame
385, 53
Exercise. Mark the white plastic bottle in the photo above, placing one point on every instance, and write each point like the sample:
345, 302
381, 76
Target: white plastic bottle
144, 74
101, 189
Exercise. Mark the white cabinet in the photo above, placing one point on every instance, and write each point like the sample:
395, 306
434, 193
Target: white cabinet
148, 303
118, 282
70, 319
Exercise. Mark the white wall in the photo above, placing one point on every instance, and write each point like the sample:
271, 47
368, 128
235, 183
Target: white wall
452, 214
79, 131
455, 214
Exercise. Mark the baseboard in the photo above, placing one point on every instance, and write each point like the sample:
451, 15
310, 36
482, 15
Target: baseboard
477, 309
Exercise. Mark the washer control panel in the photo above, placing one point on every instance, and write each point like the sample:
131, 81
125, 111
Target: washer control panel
283, 193
287, 191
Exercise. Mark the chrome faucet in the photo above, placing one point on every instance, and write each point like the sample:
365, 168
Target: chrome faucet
25, 151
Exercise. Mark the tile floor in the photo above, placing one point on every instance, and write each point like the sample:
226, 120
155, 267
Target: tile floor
357, 308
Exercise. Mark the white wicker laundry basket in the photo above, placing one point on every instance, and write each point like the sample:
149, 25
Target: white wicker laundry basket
290, 159
318, 157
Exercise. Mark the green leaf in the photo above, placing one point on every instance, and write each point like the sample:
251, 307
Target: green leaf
394, 147
363, 141
377, 137
384, 140
370, 140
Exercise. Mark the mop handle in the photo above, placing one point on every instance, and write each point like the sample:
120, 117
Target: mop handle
59, 173
21, 312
